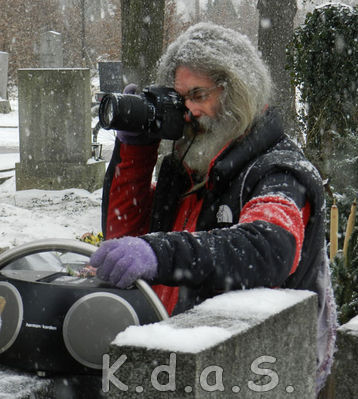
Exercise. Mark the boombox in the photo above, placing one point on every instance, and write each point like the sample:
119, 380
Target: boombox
55, 321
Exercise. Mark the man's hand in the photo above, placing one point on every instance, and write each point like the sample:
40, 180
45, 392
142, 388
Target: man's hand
122, 261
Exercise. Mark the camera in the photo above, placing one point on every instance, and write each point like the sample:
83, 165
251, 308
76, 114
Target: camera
157, 111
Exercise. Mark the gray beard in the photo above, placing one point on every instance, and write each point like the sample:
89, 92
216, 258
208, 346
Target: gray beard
214, 134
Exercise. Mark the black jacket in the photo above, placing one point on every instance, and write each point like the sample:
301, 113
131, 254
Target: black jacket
224, 254
259, 221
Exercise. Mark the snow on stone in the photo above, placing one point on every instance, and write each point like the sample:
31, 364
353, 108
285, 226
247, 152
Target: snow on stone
240, 308
352, 325
256, 303
161, 336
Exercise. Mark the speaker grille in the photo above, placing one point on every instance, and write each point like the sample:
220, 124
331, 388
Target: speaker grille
12, 315
92, 323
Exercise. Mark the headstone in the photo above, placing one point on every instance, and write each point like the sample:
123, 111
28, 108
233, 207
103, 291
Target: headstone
346, 361
110, 77
4, 64
55, 131
51, 50
250, 344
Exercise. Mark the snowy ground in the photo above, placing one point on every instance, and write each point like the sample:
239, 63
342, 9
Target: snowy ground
35, 214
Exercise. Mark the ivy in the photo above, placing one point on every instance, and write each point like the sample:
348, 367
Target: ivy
323, 62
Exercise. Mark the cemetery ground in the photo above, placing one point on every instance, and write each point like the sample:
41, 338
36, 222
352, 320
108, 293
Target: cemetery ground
35, 214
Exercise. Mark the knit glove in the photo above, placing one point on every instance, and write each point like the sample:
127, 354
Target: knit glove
122, 261
133, 138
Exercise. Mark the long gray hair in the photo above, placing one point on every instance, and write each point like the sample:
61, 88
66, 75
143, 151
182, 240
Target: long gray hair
230, 60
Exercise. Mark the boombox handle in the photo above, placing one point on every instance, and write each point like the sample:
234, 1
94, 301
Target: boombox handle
81, 248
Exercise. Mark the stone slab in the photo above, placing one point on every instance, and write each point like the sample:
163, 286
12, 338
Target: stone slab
252, 344
51, 50
110, 77
54, 115
55, 131
52, 176
346, 361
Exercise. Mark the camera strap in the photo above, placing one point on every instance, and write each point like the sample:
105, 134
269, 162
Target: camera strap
187, 149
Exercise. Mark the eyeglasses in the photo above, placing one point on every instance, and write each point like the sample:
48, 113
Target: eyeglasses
199, 94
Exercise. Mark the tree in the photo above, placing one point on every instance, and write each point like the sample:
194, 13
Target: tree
142, 39
88, 39
173, 23
22, 23
222, 12
323, 59
276, 28
248, 19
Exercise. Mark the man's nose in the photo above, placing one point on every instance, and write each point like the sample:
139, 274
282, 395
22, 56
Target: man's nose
193, 108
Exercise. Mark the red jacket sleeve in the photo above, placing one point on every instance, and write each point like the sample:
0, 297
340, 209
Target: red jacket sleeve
281, 212
131, 191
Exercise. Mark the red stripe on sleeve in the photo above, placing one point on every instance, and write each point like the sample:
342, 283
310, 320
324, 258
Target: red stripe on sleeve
281, 212
131, 193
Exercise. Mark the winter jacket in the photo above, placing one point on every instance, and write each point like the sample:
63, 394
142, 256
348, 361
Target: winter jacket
258, 221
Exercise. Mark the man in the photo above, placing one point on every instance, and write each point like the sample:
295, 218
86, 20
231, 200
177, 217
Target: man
236, 204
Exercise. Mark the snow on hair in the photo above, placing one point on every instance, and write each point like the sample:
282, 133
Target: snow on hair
228, 58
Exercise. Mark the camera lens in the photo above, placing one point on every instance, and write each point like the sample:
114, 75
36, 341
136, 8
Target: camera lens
157, 111
135, 112
126, 112
107, 111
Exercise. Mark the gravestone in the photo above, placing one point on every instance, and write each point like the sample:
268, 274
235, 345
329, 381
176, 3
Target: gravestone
55, 131
346, 361
251, 344
110, 77
51, 50
4, 102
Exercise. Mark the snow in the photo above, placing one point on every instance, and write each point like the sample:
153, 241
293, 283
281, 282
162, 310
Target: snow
13, 385
164, 337
36, 214
352, 325
246, 302
7, 161
241, 309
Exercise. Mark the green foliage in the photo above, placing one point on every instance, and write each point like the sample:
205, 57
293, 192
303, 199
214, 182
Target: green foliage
345, 281
323, 60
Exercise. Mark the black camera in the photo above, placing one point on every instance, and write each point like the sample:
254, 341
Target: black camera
157, 111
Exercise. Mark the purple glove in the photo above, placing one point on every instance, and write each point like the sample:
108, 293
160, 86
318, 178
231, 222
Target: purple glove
122, 261
133, 138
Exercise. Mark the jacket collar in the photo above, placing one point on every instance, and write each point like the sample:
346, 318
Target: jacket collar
265, 133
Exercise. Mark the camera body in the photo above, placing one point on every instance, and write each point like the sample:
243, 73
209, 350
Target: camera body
157, 112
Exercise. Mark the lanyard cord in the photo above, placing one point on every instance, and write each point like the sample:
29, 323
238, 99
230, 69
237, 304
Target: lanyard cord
195, 127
